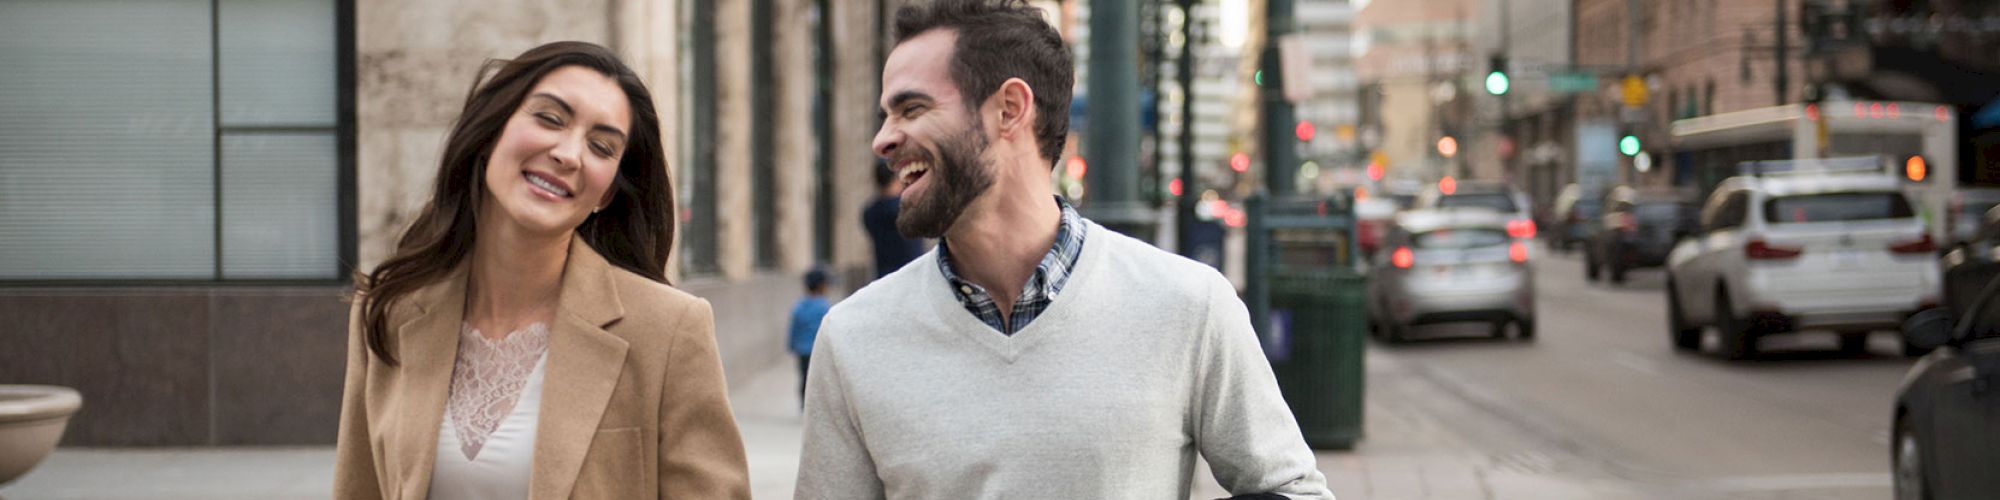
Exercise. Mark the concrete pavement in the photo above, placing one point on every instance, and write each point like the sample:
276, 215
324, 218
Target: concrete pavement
1421, 444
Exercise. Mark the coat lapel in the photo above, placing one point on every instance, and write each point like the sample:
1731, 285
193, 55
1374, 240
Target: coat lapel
428, 347
583, 367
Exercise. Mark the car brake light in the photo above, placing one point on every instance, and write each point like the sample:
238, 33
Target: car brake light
1921, 245
1518, 253
1403, 258
1521, 228
1759, 250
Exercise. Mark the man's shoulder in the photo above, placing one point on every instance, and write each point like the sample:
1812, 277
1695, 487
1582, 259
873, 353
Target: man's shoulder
887, 294
1140, 266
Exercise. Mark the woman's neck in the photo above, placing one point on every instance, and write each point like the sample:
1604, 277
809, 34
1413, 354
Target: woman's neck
516, 279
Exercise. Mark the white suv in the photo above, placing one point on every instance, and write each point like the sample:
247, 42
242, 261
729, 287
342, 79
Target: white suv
1775, 254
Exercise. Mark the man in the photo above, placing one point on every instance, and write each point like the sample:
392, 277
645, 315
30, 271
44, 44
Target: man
1033, 353
892, 250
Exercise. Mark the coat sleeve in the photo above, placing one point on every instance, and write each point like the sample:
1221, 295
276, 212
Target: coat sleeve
701, 451
1243, 427
354, 467
834, 463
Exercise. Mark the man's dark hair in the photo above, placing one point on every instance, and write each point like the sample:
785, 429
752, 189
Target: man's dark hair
997, 40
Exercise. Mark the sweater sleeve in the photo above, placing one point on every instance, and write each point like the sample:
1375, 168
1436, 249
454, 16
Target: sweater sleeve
1242, 425
834, 463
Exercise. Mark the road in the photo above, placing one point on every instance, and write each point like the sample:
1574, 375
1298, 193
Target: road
1601, 394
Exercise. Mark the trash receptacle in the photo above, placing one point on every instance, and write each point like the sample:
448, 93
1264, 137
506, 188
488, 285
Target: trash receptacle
1306, 300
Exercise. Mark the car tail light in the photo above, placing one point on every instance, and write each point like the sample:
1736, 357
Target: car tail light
1370, 233
1628, 223
1759, 250
1920, 245
1521, 228
1403, 258
1518, 252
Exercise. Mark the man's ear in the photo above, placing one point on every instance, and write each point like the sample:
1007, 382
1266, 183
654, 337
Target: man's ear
1015, 103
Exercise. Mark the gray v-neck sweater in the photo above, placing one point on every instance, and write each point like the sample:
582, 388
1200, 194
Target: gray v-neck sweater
1145, 359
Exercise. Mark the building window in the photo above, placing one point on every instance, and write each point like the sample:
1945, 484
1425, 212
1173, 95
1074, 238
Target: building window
697, 166
189, 140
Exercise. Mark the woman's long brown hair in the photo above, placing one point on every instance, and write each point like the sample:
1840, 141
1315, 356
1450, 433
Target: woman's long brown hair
636, 232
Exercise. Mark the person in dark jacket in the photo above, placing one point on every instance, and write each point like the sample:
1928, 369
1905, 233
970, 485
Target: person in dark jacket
892, 250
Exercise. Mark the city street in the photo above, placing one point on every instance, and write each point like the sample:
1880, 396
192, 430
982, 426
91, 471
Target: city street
1601, 396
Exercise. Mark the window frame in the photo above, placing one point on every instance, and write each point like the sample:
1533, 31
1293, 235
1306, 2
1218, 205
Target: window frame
345, 139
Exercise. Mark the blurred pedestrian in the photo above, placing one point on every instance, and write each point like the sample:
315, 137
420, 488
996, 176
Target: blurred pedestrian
892, 250
1033, 353
806, 316
523, 334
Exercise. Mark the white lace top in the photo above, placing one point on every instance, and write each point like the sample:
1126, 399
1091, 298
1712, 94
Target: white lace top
486, 441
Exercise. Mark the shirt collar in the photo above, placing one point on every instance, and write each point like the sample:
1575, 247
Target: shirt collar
1050, 275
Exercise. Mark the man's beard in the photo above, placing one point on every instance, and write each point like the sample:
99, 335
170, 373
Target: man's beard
962, 174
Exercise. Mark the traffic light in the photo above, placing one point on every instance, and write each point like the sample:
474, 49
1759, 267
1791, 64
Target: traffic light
1497, 81
1915, 169
1629, 145
1447, 146
1305, 131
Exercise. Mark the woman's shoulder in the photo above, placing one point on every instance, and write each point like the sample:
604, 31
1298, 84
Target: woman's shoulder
643, 297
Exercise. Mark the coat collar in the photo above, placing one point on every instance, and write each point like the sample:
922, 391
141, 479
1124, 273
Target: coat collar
584, 362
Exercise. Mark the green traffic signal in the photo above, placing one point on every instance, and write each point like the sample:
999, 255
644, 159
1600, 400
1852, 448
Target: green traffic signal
1496, 83
1629, 145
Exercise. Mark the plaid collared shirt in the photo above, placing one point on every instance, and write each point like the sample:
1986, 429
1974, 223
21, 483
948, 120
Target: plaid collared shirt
1041, 288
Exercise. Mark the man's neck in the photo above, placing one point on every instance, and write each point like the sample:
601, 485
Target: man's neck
1003, 237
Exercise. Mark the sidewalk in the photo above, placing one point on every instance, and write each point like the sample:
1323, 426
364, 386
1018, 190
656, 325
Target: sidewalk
1422, 443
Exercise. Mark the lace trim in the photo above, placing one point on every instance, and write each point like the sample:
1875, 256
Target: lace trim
487, 379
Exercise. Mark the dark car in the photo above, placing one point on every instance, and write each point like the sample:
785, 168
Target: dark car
1569, 226
1637, 230
1947, 429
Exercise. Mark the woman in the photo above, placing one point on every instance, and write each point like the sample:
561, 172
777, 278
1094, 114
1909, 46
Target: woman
523, 342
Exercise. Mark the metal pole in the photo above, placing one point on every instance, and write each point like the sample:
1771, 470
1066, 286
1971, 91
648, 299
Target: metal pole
1184, 73
1112, 139
1281, 157
1782, 48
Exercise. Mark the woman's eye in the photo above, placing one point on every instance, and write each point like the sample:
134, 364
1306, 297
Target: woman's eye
602, 149
548, 119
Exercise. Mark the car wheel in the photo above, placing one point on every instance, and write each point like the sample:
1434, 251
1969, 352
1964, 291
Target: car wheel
1527, 332
1617, 266
1393, 332
1685, 338
1911, 350
1910, 480
1738, 342
1589, 267
1854, 343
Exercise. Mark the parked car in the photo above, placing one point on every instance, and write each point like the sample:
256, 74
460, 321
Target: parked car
1569, 225
1494, 197
1946, 441
1452, 266
1637, 230
1372, 218
1968, 205
1784, 253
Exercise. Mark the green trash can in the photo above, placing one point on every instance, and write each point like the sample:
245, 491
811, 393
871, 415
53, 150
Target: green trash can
1306, 300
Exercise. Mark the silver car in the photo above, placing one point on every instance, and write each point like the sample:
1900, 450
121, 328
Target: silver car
1451, 266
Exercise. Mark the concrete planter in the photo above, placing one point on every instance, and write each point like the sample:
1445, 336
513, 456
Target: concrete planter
32, 418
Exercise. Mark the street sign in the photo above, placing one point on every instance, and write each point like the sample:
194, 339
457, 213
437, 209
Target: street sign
1634, 91
1572, 82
